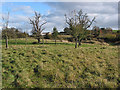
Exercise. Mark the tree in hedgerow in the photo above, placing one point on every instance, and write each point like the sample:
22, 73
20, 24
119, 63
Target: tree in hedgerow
78, 23
55, 34
96, 31
37, 26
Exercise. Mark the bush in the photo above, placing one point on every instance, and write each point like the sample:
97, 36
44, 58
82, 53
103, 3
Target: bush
13, 33
109, 37
118, 35
47, 36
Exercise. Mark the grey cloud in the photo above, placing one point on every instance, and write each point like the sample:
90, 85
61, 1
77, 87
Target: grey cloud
106, 12
108, 21
90, 7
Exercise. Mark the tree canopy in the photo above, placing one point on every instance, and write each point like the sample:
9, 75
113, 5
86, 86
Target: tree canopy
55, 33
78, 24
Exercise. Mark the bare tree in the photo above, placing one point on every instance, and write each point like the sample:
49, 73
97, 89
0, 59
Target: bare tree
37, 26
78, 23
5, 26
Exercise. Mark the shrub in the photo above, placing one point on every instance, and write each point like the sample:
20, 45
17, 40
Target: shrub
109, 37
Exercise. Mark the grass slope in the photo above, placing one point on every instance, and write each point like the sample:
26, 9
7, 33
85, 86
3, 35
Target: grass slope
56, 66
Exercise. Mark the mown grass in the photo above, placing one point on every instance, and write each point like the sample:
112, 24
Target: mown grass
60, 66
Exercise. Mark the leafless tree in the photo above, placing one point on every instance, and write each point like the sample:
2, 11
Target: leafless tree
37, 26
5, 26
78, 23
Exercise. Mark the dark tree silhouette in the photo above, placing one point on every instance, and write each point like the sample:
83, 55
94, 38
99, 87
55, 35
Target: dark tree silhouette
55, 34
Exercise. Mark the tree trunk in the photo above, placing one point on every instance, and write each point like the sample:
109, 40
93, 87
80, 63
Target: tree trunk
75, 43
55, 41
42, 40
38, 40
6, 41
15, 41
25, 39
79, 43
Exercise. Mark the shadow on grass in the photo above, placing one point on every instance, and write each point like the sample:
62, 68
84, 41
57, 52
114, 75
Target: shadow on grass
22, 43
50, 43
58, 43
114, 43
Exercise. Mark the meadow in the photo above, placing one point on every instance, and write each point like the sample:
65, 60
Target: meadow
27, 65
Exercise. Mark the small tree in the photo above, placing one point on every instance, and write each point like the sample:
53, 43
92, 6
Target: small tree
78, 24
6, 22
37, 26
55, 34
96, 31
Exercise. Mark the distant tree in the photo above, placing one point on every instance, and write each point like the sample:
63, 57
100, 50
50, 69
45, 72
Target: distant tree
13, 33
109, 30
55, 34
10, 33
67, 31
78, 24
37, 26
47, 36
96, 31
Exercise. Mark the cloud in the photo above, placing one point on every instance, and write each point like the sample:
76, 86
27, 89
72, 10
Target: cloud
87, 0
89, 7
61, 1
24, 9
108, 21
0, 26
105, 12
18, 19
55, 20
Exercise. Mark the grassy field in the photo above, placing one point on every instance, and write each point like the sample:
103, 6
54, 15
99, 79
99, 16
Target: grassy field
29, 41
59, 66
115, 31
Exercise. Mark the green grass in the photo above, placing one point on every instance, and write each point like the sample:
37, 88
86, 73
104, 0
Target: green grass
29, 41
60, 66
114, 31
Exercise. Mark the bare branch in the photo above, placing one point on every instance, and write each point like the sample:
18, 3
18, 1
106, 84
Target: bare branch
37, 26
42, 25
91, 23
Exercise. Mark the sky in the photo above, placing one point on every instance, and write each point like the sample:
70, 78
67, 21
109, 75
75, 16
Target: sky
106, 13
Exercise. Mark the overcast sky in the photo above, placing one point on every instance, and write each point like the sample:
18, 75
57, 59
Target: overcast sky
106, 13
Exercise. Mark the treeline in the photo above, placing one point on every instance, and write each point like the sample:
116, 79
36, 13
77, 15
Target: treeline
13, 33
107, 34
99, 33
